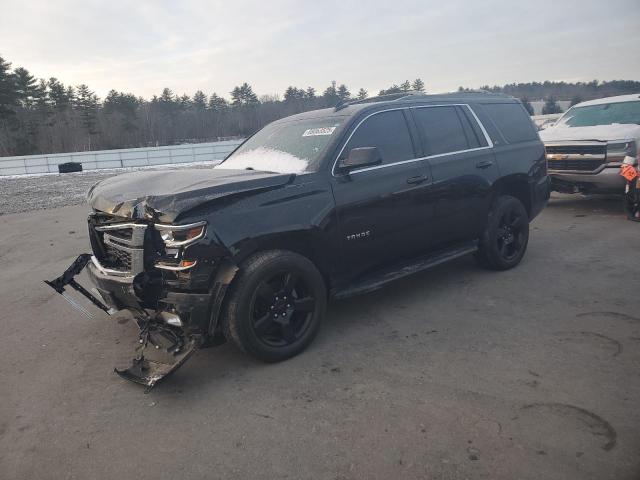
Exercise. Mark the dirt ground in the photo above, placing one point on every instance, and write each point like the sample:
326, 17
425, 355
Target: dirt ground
456, 373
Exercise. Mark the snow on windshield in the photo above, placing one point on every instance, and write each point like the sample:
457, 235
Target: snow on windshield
266, 159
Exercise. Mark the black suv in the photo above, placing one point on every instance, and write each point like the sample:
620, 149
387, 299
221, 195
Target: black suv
324, 204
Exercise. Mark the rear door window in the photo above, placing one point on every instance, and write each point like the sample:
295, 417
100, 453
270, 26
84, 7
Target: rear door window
441, 130
512, 120
386, 130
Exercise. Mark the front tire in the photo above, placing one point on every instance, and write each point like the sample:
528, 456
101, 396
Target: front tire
506, 235
275, 305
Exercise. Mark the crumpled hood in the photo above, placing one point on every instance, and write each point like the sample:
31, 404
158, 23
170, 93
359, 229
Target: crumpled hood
165, 194
617, 131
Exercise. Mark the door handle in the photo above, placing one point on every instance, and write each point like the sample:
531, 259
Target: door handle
484, 164
416, 180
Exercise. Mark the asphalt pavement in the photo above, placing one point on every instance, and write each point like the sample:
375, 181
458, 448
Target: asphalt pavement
452, 374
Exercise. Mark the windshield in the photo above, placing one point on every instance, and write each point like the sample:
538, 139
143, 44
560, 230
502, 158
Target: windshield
605, 114
285, 147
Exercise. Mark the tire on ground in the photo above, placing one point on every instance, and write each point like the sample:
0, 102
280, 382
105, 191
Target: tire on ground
237, 317
488, 255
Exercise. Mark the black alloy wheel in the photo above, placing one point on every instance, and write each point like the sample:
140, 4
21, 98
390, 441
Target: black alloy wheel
510, 236
506, 234
275, 305
282, 309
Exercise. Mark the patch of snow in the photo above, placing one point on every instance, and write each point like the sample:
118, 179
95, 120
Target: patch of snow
265, 159
107, 171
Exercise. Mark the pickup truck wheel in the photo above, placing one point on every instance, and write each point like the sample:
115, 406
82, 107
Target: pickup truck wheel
506, 235
275, 305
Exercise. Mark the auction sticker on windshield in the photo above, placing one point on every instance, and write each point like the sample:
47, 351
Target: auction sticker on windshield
313, 132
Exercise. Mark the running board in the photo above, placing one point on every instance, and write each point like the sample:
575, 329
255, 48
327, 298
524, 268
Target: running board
404, 269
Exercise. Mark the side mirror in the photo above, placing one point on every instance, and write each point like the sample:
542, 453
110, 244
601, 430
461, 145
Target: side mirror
360, 157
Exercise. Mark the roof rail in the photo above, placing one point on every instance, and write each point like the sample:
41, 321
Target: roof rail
380, 98
410, 94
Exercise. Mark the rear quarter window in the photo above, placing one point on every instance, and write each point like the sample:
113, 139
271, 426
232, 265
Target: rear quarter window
512, 120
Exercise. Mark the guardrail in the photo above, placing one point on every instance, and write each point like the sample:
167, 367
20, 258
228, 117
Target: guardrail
125, 157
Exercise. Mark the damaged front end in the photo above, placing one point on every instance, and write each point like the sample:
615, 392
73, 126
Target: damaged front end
167, 276
162, 350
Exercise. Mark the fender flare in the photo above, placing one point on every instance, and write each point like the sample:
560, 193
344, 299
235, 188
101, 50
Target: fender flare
221, 281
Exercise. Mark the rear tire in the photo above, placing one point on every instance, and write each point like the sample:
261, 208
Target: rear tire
275, 305
506, 236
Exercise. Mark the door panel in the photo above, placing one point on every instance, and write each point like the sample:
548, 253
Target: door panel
382, 216
463, 168
462, 190
384, 210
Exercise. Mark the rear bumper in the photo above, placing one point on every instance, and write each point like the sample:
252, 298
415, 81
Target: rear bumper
607, 180
541, 193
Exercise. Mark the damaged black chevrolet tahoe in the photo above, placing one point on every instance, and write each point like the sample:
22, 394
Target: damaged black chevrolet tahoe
324, 204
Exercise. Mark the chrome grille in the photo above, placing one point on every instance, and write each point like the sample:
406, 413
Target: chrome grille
586, 149
578, 157
121, 246
578, 165
118, 259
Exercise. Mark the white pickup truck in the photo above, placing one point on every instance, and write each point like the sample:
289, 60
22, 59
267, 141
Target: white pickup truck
587, 145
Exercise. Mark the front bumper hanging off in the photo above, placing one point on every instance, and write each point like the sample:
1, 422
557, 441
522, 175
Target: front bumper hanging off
162, 348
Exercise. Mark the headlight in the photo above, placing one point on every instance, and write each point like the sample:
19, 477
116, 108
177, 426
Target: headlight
621, 149
181, 235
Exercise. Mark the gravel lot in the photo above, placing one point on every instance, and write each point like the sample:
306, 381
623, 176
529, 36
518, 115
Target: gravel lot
36, 192
452, 374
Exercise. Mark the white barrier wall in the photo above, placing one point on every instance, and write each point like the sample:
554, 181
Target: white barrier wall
126, 157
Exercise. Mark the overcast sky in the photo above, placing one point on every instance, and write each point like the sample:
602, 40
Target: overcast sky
141, 46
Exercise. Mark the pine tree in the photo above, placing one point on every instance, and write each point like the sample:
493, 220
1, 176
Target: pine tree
217, 104
418, 85
527, 105
26, 87
58, 95
331, 94
290, 93
310, 93
8, 91
86, 103
392, 89
184, 102
41, 95
243, 95
551, 106
362, 94
405, 86
123, 103
236, 97
199, 101
70, 93
166, 96
248, 97
343, 93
